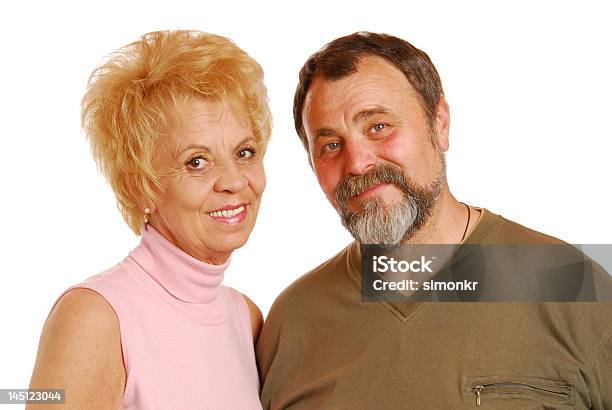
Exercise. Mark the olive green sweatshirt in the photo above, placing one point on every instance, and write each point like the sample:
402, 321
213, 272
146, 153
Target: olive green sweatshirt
321, 347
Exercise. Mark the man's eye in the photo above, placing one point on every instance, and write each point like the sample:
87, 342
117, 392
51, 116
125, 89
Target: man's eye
246, 153
378, 127
197, 162
332, 146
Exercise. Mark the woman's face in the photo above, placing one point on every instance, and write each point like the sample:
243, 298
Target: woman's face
215, 183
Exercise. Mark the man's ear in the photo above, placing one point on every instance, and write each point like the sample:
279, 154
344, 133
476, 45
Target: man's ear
442, 124
309, 155
309, 150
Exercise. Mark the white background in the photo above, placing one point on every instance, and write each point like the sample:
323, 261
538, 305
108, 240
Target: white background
528, 84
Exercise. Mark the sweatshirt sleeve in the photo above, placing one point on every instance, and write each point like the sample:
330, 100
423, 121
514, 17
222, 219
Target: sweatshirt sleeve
602, 364
266, 351
266, 347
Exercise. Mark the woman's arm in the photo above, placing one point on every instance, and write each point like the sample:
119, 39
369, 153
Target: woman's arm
80, 351
256, 317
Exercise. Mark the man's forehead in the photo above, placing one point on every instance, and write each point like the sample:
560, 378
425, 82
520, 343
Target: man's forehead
376, 83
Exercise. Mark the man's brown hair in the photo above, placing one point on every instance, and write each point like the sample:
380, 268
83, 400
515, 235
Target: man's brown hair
341, 57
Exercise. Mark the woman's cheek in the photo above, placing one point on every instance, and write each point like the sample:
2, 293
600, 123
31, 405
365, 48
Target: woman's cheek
257, 178
193, 193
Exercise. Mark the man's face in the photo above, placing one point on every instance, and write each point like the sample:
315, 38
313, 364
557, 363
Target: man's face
377, 158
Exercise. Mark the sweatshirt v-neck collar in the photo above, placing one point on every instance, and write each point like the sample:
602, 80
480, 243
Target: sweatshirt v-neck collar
404, 309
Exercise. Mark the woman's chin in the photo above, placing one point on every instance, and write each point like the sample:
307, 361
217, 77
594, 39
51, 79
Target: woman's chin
228, 237
228, 246
229, 243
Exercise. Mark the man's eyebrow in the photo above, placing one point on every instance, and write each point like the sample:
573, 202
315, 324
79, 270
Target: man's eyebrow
324, 132
360, 116
369, 112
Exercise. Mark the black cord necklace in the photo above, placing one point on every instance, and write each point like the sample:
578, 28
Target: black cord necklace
468, 221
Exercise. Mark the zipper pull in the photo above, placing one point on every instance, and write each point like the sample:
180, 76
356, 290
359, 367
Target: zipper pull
476, 391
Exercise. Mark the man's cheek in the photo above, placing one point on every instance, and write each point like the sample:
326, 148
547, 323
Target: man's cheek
330, 193
328, 180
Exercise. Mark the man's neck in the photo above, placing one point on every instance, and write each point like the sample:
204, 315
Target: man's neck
447, 223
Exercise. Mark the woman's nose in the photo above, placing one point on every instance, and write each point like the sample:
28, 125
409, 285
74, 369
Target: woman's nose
230, 179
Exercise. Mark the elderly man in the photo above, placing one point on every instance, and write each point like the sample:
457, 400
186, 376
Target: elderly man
371, 113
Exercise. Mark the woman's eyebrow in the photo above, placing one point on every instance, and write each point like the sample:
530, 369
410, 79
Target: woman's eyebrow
201, 147
246, 139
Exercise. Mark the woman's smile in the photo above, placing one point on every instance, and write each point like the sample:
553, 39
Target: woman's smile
231, 214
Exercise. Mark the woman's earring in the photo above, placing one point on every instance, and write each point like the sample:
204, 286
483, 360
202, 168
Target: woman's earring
146, 217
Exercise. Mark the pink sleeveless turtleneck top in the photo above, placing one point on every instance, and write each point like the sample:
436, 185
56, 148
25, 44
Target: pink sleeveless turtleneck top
186, 339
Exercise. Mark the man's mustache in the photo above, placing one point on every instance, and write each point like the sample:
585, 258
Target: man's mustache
353, 185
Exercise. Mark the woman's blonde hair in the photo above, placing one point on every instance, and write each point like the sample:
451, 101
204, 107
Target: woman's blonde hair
130, 99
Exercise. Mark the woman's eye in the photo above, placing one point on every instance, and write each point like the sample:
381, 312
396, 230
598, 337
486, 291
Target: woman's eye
197, 163
331, 146
246, 153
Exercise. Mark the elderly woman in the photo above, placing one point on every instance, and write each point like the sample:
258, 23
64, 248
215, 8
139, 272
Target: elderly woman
178, 122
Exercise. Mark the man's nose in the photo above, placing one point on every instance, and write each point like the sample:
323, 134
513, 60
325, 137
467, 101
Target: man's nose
359, 157
230, 178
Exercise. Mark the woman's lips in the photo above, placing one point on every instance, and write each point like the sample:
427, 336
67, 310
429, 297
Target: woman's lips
230, 215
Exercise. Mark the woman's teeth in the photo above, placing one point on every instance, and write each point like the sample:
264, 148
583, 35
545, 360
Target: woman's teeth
227, 213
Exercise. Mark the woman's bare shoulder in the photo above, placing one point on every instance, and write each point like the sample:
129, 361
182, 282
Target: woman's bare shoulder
256, 317
80, 351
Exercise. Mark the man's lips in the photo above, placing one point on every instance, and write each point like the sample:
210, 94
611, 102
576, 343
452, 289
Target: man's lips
231, 214
370, 191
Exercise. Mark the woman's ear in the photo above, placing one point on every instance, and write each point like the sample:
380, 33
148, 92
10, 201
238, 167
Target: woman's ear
147, 209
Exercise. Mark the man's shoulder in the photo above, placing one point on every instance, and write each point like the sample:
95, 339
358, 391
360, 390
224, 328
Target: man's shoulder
548, 254
506, 231
531, 244
316, 285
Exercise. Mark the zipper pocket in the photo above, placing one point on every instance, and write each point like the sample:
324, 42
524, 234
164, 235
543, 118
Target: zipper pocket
559, 392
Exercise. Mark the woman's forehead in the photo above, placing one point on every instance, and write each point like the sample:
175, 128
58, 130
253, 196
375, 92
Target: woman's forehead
207, 126
199, 118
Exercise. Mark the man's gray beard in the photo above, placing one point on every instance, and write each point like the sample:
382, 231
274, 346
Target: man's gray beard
383, 224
